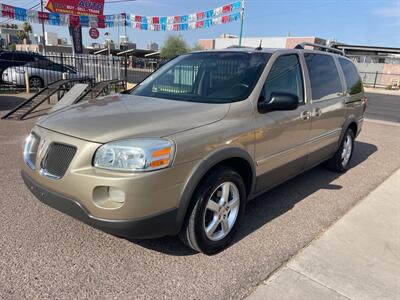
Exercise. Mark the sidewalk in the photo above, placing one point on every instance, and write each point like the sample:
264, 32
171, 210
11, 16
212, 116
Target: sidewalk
382, 91
357, 258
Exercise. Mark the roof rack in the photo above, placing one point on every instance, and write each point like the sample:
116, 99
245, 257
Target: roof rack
322, 47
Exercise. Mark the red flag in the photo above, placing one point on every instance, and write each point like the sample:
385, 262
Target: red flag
156, 20
43, 17
227, 8
200, 24
8, 11
225, 19
101, 21
177, 19
176, 27
74, 20
200, 15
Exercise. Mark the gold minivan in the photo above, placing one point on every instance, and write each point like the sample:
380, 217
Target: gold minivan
183, 152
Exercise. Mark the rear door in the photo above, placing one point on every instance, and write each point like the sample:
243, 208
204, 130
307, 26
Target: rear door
328, 108
281, 136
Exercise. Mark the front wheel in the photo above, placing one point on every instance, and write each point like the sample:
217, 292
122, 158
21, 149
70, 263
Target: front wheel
341, 160
218, 207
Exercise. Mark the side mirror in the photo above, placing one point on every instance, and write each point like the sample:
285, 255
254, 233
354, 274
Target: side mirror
278, 101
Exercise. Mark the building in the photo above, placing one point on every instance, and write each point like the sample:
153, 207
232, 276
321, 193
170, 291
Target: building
8, 36
51, 38
152, 46
370, 54
227, 40
378, 66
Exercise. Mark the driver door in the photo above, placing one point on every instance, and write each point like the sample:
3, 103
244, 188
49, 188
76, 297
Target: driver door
281, 136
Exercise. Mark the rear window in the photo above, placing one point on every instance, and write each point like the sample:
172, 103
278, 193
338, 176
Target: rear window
353, 80
324, 76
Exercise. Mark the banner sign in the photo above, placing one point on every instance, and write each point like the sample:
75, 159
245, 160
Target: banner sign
76, 7
203, 19
76, 36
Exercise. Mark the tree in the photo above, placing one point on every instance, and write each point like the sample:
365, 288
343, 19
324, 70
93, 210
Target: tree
197, 47
23, 34
174, 45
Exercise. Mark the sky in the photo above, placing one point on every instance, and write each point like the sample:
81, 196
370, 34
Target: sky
363, 22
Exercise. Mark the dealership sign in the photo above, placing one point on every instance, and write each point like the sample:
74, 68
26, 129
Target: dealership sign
76, 7
94, 33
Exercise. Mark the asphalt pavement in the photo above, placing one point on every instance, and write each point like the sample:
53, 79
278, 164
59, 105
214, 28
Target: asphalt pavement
383, 107
46, 254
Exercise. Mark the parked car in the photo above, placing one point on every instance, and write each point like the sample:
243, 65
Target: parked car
18, 58
39, 73
184, 152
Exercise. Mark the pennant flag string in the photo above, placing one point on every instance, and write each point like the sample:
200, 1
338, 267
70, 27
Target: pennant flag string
202, 19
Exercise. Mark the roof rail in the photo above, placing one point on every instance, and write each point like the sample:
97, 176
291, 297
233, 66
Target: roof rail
238, 47
322, 47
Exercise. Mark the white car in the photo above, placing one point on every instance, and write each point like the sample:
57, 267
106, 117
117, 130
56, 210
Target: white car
39, 73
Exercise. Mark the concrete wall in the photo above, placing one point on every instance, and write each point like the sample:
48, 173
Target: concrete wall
388, 74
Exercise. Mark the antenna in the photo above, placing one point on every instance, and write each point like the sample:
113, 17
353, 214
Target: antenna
259, 47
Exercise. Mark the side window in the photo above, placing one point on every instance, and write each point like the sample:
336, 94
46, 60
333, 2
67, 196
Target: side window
353, 80
23, 57
324, 76
285, 77
6, 56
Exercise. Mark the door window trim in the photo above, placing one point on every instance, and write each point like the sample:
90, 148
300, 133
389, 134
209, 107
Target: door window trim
340, 75
303, 75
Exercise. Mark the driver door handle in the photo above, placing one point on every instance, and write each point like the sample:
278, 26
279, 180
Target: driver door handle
305, 115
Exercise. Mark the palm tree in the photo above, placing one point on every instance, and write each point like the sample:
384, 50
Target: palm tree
23, 35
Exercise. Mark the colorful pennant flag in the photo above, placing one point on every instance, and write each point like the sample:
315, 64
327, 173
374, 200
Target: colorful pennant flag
202, 19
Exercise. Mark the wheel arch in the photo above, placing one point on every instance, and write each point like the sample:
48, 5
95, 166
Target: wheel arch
351, 122
236, 158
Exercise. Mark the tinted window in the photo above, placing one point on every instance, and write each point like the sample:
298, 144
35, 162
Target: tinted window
324, 76
285, 77
209, 77
6, 56
353, 80
23, 57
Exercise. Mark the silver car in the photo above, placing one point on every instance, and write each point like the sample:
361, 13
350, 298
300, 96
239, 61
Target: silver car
39, 73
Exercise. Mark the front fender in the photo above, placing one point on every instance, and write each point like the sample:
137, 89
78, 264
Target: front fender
202, 168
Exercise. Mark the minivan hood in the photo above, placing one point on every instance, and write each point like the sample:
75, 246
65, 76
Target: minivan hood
128, 116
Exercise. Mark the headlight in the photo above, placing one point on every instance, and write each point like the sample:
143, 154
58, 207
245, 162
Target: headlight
135, 155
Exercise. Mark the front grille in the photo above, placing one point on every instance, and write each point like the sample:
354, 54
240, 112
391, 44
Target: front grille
57, 159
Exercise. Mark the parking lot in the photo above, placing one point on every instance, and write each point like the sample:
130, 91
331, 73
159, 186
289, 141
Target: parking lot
46, 254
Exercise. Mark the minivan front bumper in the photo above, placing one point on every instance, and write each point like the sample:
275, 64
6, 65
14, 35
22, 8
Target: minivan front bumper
154, 226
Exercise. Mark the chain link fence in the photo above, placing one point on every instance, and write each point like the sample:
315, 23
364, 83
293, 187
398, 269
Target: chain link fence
381, 80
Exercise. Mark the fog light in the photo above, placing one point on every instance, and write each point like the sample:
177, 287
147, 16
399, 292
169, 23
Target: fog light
116, 195
108, 197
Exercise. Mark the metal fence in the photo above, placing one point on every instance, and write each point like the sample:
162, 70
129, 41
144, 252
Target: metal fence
55, 66
378, 79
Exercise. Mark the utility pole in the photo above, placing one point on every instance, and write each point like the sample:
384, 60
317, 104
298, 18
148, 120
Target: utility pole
241, 24
44, 39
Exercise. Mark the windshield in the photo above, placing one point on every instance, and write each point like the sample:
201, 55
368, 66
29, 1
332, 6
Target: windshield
208, 77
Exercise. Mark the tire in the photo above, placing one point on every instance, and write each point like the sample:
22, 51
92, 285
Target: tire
228, 216
36, 82
341, 160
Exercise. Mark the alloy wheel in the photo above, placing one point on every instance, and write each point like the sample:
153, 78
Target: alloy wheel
221, 211
347, 150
